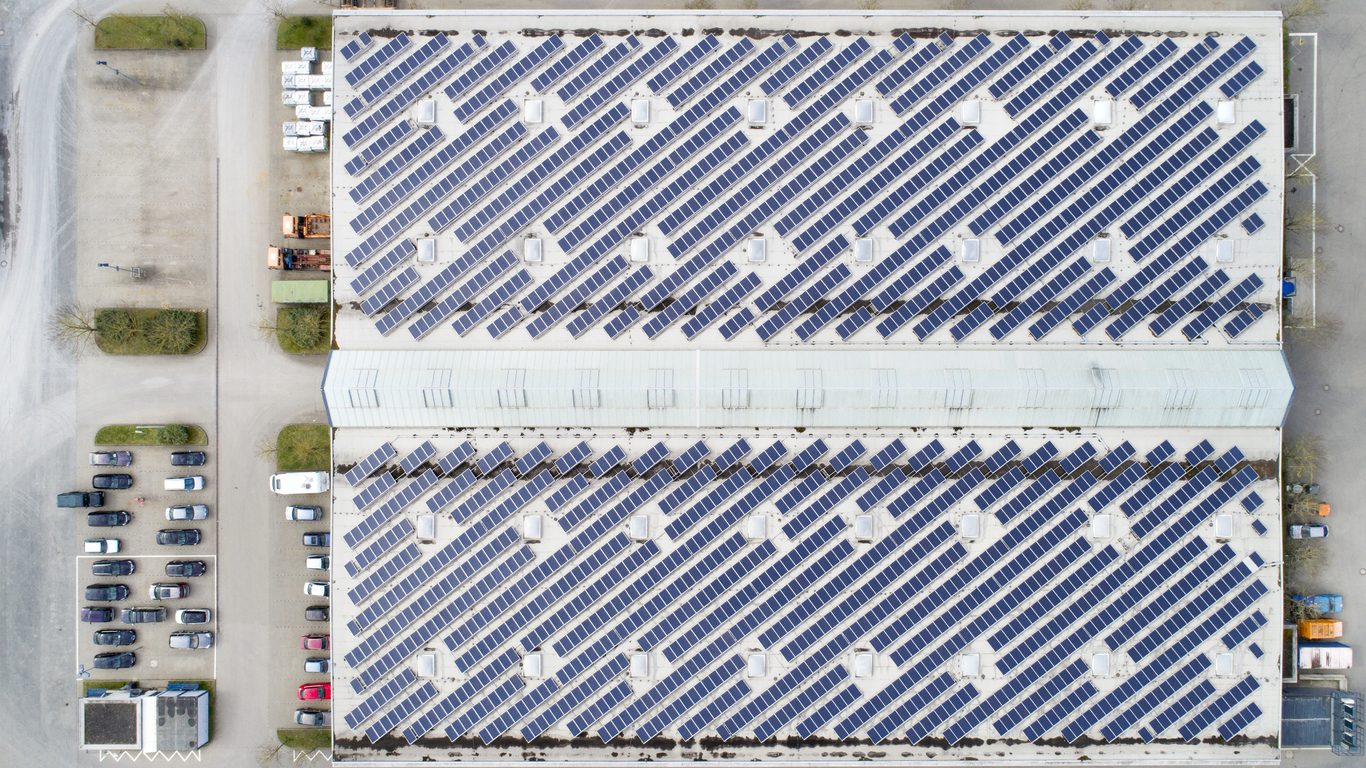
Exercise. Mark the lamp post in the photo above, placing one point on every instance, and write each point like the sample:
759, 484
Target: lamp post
105, 64
136, 271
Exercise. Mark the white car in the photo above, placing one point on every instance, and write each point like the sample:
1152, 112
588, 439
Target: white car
187, 512
295, 512
289, 483
101, 546
193, 616
186, 483
318, 562
191, 640
317, 589
1310, 531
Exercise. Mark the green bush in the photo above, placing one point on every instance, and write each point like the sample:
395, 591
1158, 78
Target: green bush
173, 434
305, 326
171, 331
115, 326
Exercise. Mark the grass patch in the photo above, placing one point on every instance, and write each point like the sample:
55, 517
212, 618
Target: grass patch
303, 448
108, 685
284, 329
304, 32
128, 434
145, 33
137, 343
305, 738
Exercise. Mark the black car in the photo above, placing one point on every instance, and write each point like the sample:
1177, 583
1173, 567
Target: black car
106, 592
315, 613
317, 539
107, 519
97, 614
179, 536
112, 568
112, 482
187, 459
122, 660
185, 568
143, 615
115, 637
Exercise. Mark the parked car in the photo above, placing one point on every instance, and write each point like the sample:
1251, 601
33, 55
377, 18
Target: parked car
80, 499
185, 568
315, 642
115, 637
312, 717
294, 512
178, 536
317, 539
101, 546
120, 660
191, 640
322, 666
106, 592
318, 562
193, 616
315, 613
1309, 531
185, 483
289, 483
317, 589
315, 692
162, 591
107, 519
111, 482
143, 615
97, 615
111, 458
187, 512
187, 459
1320, 603
112, 568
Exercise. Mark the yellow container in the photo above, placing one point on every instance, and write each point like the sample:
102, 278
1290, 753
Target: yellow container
1320, 629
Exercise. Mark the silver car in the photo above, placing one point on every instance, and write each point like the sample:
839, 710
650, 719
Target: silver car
191, 640
111, 458
187, 512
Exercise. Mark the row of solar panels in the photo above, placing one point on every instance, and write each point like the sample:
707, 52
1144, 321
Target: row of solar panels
1187, 457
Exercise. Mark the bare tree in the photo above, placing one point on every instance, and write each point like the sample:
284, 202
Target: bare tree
957, 5
84, 16
699, 5
1315, 333
1294, 12
749, 5
870, 5
1302, 455
277, 11
268, 328
1302, 219
180, 18
267, 754
72, 328
1077, 5
1126, 5
267, 450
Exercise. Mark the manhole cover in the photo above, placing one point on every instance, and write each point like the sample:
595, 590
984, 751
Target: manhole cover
153, 662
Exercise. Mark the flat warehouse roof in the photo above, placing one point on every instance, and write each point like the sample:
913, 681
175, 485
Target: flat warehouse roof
658, 182
744, 585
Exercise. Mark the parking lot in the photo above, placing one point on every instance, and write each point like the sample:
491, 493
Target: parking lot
146, 503
287, 605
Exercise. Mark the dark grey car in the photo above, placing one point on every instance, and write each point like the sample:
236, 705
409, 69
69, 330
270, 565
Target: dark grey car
112, 568
115, 637
108, 519
118, 482
106, 592
122, 660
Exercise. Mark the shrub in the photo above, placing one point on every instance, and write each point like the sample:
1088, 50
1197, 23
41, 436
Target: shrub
115, 326
173, 434
171, 331
305, 326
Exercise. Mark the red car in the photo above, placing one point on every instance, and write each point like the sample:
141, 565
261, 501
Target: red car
315, 642
315, 692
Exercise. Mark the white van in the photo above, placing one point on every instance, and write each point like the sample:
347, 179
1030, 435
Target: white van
286, 483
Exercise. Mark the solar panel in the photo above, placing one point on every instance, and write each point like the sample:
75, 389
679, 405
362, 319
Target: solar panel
1253, 223
380, 697
1055, 75
683, 63
801, 702
566, 64
415, 90
481, 69
377, 148
355, 47
799, 64
1172, 73
1063, 309
620, 82
1141, 68
509, 77
694, 296
1031, 63
1243, 320
1225, 304
690, 698
956, 61
475, 192
484, 707
472, 287
581, 293
610, 300
377, 60
563, 706
367, 466
714, 709
708, 74
593, 72
400, 712
496, 298
608, 461
380, 547
460, 696
371, 493
827, 71
914, 64
1195, 207
517, 711
398, 74
770, 327
734, 295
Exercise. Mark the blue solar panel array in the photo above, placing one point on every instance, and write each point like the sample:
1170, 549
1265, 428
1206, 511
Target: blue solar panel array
415, 90
519, 70
402, 71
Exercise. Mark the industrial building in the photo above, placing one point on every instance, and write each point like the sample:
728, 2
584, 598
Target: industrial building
807, 386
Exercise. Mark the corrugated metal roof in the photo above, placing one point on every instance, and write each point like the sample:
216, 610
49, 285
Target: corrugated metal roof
818, 388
